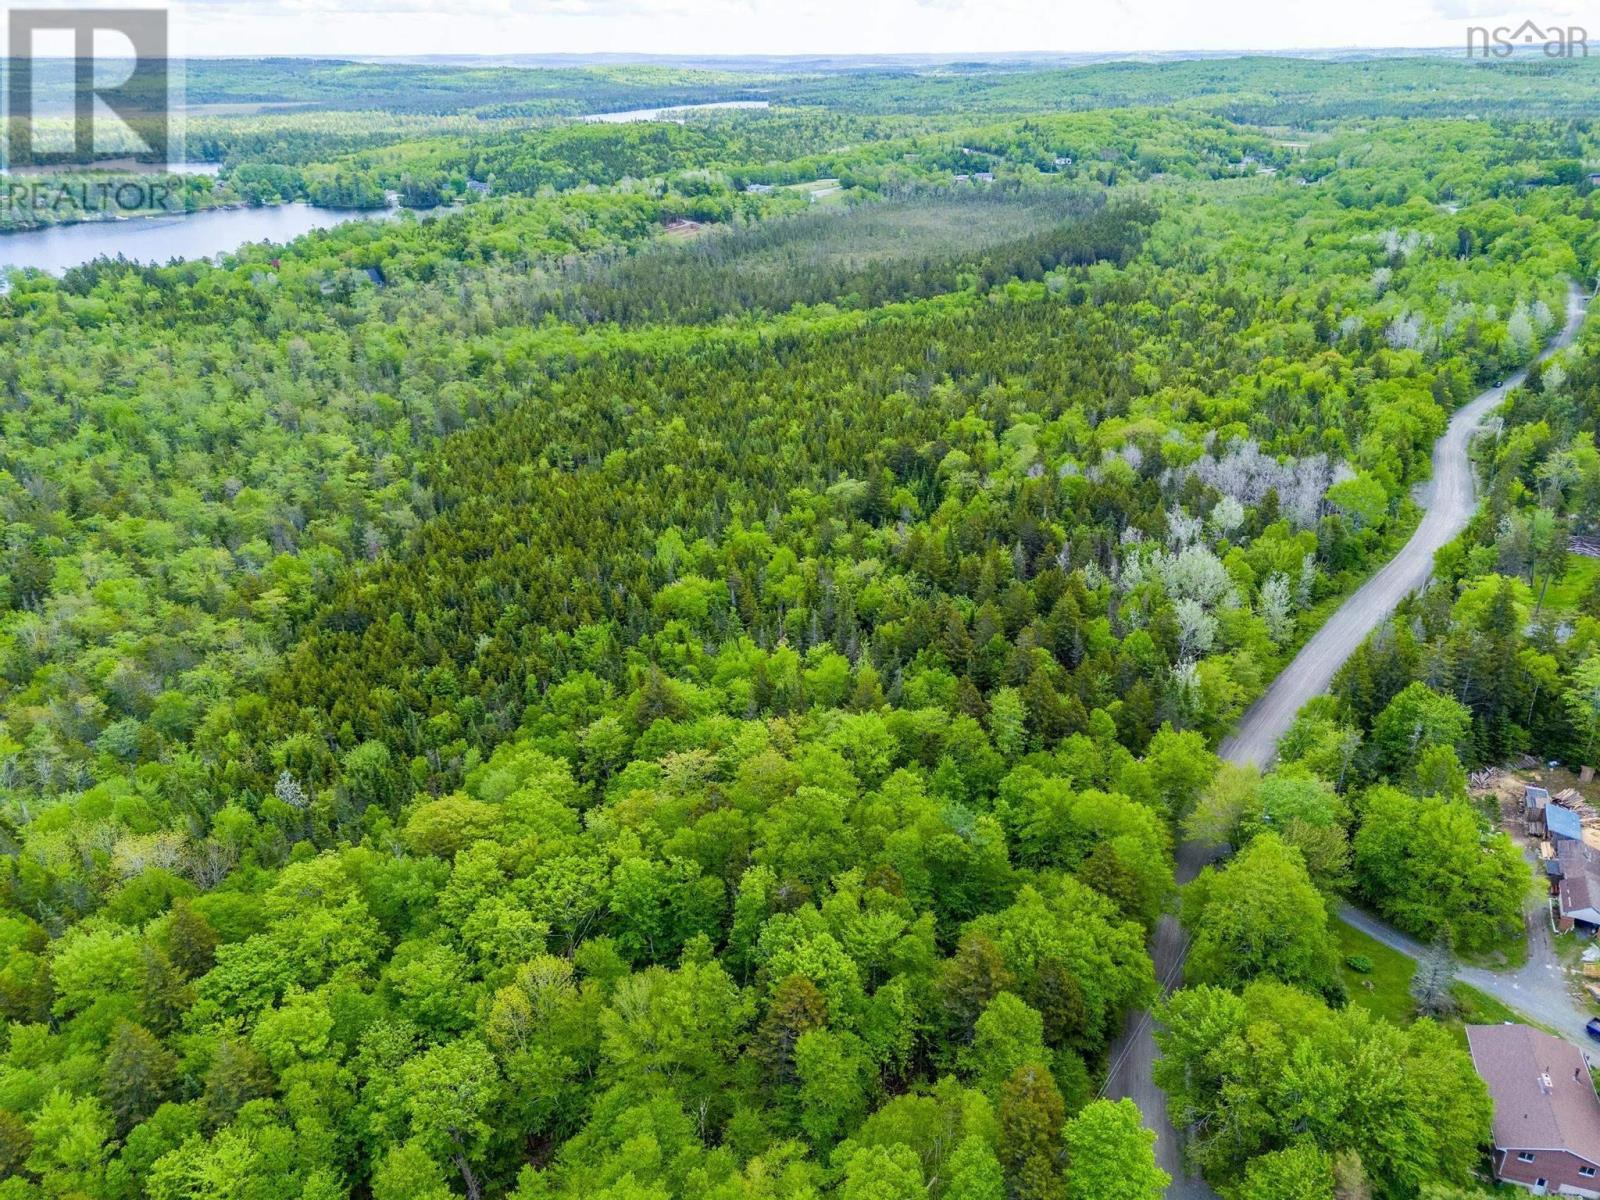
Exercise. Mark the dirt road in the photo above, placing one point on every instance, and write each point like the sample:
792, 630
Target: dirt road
1448, 502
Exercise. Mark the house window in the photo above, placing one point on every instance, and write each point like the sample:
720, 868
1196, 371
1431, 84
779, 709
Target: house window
1586, 1172
1524, 1156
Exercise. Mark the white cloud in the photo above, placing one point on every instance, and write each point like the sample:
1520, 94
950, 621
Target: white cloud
824, 26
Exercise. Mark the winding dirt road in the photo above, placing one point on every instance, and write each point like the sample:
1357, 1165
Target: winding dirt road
1448, 502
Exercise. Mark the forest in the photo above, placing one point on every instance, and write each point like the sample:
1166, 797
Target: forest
684, 674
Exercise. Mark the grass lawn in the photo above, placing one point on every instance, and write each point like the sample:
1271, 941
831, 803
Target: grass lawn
1507, 956
1385, 991
1564, 593
1480, 1008
812, 185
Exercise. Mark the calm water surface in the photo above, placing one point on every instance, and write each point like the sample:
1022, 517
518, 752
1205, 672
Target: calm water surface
219, 231
655, 114
161, 239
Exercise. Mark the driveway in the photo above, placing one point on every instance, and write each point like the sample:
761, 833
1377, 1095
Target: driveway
1541, 989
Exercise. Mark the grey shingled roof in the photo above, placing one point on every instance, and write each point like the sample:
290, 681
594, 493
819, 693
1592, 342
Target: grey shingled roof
1575, 857
1579, 887
1511, 1060
1577, 893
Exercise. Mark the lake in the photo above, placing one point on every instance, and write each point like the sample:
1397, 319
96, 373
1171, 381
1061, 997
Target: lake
161, 239
656, 114
221, 231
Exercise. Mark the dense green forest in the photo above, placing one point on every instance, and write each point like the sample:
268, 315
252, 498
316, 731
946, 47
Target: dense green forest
682, 675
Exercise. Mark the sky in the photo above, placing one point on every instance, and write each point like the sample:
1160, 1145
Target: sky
956, 27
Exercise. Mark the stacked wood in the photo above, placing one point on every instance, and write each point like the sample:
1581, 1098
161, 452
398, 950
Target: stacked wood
1570, 799
1587, 546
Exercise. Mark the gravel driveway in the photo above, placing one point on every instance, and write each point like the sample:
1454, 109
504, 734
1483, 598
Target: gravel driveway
1541, 989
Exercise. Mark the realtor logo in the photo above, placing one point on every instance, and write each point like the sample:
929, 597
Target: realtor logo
89, 86
1557, 41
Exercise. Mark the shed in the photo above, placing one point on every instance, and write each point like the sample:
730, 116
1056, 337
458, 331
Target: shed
1563, 822
1572, 858
1534, 801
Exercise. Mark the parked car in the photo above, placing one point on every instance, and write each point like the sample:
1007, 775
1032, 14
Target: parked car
1593, 1028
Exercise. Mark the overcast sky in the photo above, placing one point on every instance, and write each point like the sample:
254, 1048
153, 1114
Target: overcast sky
331, 27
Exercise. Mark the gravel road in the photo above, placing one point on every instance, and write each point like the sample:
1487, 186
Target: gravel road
1448, 502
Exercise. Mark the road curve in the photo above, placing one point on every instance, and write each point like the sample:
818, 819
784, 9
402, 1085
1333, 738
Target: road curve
1448, 504
1539, 990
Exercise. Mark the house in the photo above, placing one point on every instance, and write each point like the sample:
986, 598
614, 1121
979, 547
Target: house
1594, 179
1546, 1113
1578, 902
1578, 885
758, 189
478, 186
984, 176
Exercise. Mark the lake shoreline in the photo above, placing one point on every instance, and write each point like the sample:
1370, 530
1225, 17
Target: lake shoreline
203, 233
229, 206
